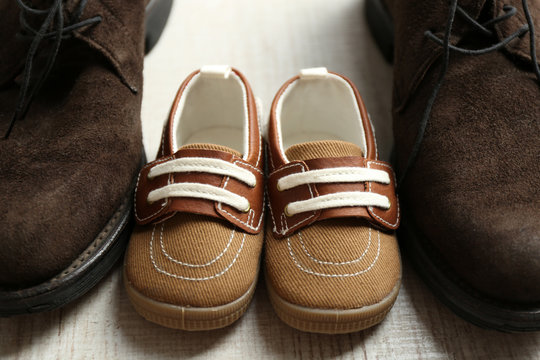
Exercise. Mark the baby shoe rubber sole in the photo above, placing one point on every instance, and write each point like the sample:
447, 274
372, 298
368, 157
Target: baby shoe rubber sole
329, 321
189, 318
449, 289
102, 253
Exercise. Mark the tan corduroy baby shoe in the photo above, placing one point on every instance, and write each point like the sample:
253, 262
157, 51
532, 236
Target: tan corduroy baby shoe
193, 259
332, 260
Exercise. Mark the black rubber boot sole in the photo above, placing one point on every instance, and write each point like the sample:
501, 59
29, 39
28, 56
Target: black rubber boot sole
105, 250
83, 273
449, 289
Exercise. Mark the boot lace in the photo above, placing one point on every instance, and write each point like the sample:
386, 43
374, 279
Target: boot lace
484, 28
55, 28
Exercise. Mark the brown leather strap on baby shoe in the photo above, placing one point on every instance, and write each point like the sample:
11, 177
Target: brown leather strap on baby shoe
249, 221
285, 224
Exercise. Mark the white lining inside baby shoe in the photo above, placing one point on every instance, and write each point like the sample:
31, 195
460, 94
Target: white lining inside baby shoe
213, 109
319, 106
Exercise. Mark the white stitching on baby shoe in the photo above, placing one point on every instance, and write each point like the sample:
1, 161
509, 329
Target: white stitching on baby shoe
247, 164
330, 262
180, 277
260, 151
309, 271
164, 251
274, 228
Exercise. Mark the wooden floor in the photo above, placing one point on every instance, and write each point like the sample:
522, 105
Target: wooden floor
269, 41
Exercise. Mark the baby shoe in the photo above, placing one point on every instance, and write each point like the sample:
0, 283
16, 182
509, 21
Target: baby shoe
193, 258
332, 260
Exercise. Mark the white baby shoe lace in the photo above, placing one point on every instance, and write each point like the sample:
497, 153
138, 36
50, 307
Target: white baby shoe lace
340, 199
202, 191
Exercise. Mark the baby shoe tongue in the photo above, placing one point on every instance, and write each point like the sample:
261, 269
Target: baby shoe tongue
322, 149
212, 147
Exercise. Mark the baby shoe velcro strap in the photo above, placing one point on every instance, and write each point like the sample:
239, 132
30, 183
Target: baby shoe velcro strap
285, 223
210, 185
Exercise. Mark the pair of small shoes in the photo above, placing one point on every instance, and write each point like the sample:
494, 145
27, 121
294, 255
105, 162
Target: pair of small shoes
332, 262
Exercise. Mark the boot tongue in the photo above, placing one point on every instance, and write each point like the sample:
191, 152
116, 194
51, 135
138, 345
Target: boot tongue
212, 147
322, 149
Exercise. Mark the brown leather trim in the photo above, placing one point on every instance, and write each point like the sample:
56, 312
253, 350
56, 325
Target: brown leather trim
366, 123
284, 225
276, 157
166, 142
145, 212
250, 222
387, 219
255, 153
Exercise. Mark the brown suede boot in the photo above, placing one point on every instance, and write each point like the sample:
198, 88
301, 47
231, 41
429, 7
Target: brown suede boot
70, 98
467, 141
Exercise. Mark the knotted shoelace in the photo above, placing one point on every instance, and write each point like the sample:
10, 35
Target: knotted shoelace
55, 28
484, 29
